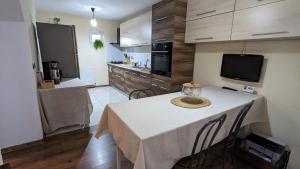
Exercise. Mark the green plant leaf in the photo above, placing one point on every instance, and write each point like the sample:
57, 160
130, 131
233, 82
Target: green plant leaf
98, 44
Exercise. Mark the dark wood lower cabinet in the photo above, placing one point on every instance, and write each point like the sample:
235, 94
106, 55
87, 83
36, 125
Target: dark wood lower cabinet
128, 80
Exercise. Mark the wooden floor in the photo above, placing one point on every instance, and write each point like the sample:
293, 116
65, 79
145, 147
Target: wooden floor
75, 150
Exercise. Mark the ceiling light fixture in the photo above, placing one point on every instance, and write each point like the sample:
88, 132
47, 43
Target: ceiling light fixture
93, 20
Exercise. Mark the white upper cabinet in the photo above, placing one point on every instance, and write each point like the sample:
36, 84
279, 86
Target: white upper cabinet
214, 28
243, 4
274, 20
136, 31
202, 8
145, 30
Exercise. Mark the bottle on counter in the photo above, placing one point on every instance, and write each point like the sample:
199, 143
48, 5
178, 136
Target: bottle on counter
127, 59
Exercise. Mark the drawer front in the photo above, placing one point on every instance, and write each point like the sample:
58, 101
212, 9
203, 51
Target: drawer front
203, 8
131, 81
210, 29
118, 71
243, 4
159, 90
117, 81
160, 83
276, 20
163, 11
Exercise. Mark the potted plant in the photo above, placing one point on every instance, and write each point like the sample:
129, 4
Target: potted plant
98, 44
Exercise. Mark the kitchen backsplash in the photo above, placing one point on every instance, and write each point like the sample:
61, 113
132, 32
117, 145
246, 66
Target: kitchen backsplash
139, 54
141, 58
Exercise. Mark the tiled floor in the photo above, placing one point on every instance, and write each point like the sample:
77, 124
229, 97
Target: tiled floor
101, 96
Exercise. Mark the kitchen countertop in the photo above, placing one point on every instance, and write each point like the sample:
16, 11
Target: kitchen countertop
129, 67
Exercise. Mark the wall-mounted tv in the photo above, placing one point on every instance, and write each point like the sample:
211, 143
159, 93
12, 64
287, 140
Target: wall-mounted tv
242, 67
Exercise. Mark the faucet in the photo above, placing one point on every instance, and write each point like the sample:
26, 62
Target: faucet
146, 64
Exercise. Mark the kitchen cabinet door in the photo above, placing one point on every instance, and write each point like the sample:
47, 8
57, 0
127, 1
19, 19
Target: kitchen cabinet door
131, 81
210, 29
163, 21
163, 11
144, 81
145, 30
275, 20
202, 8
117, 78
163, 32
136, 31
124, 34
243, 4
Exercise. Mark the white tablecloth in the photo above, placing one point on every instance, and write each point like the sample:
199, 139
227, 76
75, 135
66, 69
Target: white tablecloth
154, 134
68, 105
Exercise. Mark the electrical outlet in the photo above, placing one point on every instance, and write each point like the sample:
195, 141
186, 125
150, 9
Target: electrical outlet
249, 89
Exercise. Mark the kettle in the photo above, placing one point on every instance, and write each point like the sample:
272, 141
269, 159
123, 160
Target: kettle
55, 75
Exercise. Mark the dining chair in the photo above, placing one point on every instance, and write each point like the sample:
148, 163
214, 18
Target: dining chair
232, 137
141, 93
209, 131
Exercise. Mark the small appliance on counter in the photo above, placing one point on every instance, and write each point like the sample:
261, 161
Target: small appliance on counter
52, 71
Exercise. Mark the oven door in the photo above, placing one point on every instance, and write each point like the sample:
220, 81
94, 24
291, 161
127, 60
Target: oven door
161, 63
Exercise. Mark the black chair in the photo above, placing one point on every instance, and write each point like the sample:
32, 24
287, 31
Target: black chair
198, 160
231, 139
141, 93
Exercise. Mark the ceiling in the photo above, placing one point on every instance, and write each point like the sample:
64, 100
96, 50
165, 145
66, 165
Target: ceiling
105, 9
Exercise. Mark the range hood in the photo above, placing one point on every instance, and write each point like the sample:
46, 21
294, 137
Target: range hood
118, 39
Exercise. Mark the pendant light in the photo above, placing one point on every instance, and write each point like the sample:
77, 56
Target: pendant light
93, 21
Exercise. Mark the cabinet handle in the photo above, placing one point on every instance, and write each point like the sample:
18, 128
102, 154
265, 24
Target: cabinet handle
145, 43
155, 51
158, 40
207, 12
135, 44
270, 33
159, 80
117, 76
145, 77
206, 38
163, 88
154, 85
160, 19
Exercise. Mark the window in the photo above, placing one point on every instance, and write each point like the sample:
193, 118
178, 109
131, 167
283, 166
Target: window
95, 35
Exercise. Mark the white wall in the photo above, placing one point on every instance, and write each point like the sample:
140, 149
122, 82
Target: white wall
29, 12
280, 84
92, 62
19, 114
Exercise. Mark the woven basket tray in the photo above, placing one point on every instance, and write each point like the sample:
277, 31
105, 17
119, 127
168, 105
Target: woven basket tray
186, 102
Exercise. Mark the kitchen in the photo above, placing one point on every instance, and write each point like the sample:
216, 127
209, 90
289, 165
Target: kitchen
169, 62
229, 52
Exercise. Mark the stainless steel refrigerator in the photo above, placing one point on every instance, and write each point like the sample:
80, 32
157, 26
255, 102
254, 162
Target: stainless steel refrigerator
58, 43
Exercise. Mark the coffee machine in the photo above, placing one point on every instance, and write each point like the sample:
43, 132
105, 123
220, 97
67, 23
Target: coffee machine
52, 71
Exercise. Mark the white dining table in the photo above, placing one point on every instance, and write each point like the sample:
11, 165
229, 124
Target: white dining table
154, 134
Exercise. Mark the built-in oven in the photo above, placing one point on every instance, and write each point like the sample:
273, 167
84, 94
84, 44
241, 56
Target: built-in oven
161, 58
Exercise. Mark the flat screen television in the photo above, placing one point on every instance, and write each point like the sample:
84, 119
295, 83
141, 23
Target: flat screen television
242, 67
